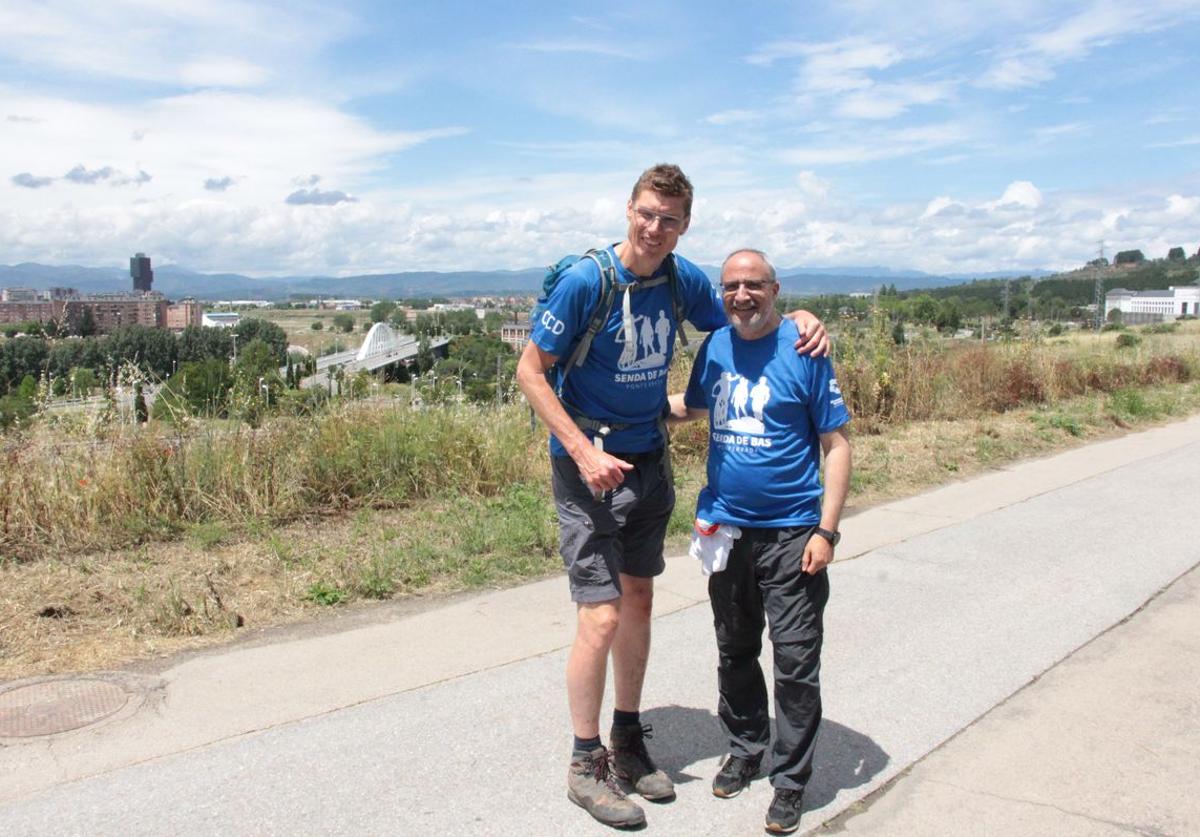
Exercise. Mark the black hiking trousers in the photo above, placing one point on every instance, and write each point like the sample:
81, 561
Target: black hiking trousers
763, 584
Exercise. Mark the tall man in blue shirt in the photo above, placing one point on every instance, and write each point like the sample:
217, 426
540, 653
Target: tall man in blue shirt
614, 501
771, 414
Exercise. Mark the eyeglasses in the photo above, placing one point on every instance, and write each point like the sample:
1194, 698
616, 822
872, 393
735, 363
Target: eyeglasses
752, 286
667, 223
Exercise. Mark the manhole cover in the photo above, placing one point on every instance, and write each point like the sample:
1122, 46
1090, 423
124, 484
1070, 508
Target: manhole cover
57, 706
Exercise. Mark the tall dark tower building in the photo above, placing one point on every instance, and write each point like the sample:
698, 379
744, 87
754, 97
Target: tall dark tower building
139, 269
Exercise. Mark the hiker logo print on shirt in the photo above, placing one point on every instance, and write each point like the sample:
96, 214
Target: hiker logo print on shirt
738, 404
651, 340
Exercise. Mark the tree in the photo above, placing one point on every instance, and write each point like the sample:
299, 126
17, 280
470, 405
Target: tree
83, 381
1129, 257
140, 412
256, 328
947, 317
199, 388
924, 309
317, 325
382, 310
255, 361
197, 343
85, 322
1176, 254
151, 349
343, 322
21, 357
27, 388
425, 357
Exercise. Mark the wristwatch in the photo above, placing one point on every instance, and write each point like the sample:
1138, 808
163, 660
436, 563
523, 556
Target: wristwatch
832, 537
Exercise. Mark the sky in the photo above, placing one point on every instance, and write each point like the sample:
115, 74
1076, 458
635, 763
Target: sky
300, 137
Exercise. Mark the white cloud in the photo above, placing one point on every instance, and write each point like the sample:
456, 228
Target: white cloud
881, 145
1034, 59
1020, 193
192, 138
886, 101
735, 116
166, 41
222, 72
805, 223
1179, 143
937, 206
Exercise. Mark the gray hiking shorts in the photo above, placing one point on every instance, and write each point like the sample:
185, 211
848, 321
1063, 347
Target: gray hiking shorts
622, 533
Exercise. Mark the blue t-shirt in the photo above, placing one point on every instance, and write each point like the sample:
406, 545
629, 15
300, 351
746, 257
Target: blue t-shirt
619, 383
766, 407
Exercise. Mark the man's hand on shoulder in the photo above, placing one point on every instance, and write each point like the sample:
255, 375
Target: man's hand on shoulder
814, 339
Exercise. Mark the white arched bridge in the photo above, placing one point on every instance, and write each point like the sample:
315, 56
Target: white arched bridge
382, 347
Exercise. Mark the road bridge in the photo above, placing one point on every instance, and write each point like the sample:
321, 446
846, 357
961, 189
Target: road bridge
382, 347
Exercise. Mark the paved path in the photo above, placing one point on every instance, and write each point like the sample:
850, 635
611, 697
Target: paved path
454, 718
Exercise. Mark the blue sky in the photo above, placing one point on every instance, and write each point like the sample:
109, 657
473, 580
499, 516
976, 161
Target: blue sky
303, 137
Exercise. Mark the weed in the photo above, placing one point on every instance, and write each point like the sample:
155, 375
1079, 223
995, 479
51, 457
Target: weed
377, 580
174, 615
1067, 424
207, 535
281, 549
362, 527
322, 593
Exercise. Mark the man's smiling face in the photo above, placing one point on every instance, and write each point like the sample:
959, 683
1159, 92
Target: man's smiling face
749, 293
655, 224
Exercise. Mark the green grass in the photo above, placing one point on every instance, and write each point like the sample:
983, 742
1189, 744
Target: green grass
326, 594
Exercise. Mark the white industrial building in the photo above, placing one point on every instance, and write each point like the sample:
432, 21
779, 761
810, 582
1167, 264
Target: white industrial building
220, 319
1138, 307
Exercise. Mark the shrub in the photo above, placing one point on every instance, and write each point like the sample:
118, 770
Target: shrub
1127, 341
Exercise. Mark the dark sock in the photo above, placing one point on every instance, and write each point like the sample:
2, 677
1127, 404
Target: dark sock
584, 746
622, 718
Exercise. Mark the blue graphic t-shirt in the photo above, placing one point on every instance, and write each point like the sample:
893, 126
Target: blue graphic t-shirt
619, 382
766, 408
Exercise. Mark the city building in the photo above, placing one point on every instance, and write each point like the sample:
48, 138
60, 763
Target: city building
186, 312
220, 319
40, 311
515, 333
20, 295
139, 270
111, 311
1139, 307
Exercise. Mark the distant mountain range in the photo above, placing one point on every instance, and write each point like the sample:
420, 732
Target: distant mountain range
178, 282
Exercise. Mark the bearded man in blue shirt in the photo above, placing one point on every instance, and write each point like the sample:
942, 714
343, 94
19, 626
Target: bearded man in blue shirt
613, 490
771, 414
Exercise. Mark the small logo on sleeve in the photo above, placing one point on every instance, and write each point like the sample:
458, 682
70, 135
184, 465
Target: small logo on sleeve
836, 392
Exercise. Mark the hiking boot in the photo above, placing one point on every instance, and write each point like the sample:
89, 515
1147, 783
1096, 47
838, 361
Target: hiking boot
735, 775
591, 786
783, 817
631, 762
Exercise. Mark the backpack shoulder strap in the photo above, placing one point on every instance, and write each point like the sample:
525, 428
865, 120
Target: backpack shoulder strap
677, 303
608, 288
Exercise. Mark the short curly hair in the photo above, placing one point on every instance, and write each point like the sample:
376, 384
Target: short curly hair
666, 179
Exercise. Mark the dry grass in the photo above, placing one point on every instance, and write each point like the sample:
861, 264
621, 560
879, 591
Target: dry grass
269, 527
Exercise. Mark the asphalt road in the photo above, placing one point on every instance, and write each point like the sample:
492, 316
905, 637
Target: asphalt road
946, 609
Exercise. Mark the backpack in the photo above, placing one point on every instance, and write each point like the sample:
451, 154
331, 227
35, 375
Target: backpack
610, 284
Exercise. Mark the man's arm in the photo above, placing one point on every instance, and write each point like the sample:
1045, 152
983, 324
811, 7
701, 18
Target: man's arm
679, 412
599, 470
836, 446
814, 339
